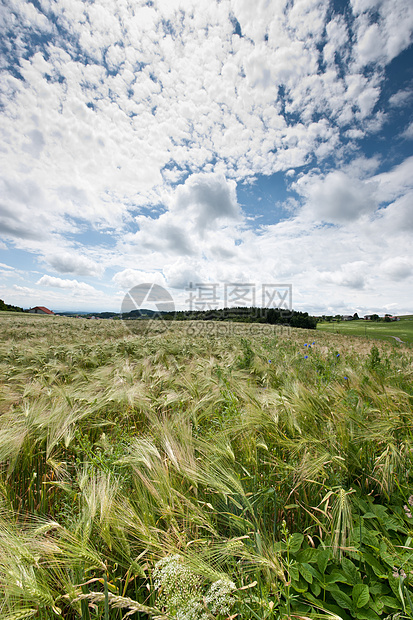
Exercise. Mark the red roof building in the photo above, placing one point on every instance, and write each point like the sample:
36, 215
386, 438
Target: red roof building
40, 310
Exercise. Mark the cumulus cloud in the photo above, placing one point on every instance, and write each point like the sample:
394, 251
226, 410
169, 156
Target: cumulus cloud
398, 267
337, 197
24, 289
142, 121
401, 98
138, 100
74, 263
206, 203
384, 39
128, 278
351, 275
181, 273
72, 285
207, 199
396, 182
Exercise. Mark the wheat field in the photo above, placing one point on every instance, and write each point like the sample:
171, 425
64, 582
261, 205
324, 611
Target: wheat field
194, 471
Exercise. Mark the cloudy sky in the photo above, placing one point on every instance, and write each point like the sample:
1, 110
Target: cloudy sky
207, 142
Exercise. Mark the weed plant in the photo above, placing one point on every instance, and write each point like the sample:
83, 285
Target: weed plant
193, 474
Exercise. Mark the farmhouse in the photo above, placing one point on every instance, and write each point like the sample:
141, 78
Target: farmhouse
40, 310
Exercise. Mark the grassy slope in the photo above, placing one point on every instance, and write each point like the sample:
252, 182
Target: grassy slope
403, 329
235, 455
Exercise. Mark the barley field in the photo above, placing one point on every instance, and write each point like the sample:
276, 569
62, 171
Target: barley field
197, 471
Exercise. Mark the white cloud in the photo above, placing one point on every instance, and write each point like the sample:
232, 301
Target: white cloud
24, 289
208, 198
203, 205
72, 285
384, 39
337, 197
401, 98
128, 278
351, 275
74, 263
397, 217
140, 121
398, 267
181, 273
144, 115
408, 132
396, 182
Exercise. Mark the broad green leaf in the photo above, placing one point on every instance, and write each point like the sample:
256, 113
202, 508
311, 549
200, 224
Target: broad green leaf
294, 542
294, 574
377, 567
326, 606
301, 585
361, 595
389, 601
339, 611
394, 583
376, 605
342, 599
368, 537
366, 614
379, 510
315, 588
350, 571
305, 570
336, 576
307, 555
377, 588
322, 560
385, 555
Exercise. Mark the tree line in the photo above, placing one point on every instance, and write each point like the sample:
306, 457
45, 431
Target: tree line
9, 308
272, 316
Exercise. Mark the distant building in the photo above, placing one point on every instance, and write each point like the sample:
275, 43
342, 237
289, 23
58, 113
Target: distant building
40, 310
348, 317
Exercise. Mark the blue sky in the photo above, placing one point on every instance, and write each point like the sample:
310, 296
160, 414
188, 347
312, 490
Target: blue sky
207, 142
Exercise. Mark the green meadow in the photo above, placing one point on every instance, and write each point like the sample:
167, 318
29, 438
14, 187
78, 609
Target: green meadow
200, 471
402, 329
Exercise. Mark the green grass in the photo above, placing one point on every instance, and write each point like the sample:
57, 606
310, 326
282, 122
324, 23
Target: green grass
204, 471
402, 329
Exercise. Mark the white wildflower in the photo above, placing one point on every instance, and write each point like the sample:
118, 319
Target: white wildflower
219, 597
